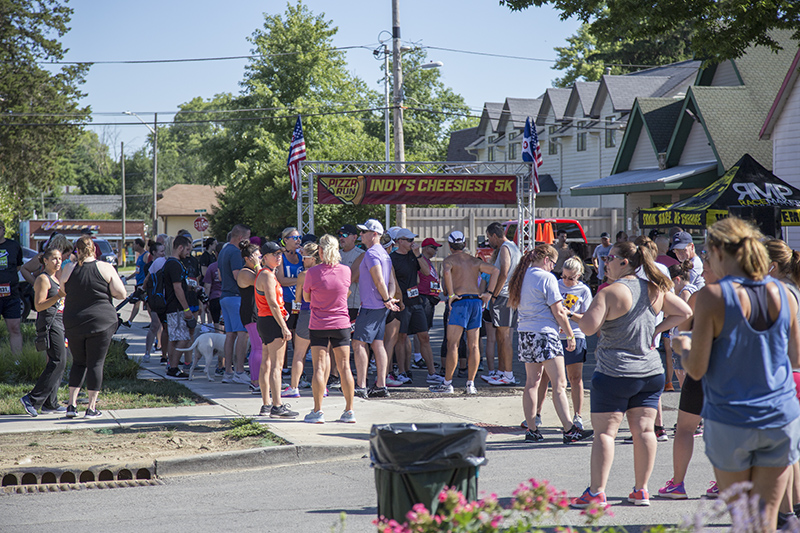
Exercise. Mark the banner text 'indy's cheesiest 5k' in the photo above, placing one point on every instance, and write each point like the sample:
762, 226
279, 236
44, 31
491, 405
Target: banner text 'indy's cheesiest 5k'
356, 189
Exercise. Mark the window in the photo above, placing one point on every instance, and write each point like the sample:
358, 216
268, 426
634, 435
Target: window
552, 145
611, 132
513, 150
581, 141
490, 154
511, 135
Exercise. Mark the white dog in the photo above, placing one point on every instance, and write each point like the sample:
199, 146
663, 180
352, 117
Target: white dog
207, 345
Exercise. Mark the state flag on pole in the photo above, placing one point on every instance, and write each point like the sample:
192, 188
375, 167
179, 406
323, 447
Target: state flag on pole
531, 152
297, 153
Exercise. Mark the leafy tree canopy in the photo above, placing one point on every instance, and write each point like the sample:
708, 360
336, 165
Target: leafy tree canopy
587, 57
29, 95
722, 29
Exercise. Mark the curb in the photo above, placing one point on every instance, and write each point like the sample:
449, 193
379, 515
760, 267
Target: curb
220, 462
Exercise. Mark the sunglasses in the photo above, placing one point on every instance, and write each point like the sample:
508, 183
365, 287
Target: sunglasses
295, 237
405, 239
609, 258
344, 235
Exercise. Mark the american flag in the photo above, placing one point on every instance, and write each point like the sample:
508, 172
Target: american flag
531, 151
297, 153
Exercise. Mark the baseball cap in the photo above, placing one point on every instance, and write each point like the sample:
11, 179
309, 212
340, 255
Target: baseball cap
455, 237
605, 235
681, 240
404, 233
372, 225
308, 237
430, 242
349, 228
392, 232
270, 247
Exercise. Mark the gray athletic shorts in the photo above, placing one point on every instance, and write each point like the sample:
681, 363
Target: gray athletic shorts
502, 315
370, 325
734, 449
301, 328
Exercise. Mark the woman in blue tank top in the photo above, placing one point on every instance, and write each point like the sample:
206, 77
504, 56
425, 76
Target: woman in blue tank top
743, 330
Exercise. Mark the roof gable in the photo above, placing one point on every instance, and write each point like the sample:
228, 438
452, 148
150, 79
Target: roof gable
623, 90
654, 117
581, 98
490, 117
554, 101
516, 110
459, 140
789, 82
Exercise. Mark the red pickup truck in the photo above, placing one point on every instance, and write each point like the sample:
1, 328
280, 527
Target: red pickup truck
575, 235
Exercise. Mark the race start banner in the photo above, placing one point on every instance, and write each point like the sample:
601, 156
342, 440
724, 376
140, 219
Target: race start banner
358, 189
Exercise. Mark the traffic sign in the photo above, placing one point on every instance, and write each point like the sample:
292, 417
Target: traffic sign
201, 224
199, 210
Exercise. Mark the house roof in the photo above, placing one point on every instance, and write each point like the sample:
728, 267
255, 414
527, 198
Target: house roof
582, 97
459, 140
654, 117
516, 110
789, 82
680, 74
554, 100
185, 198
490, 117
623, 90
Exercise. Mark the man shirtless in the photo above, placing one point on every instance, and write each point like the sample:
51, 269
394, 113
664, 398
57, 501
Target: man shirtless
461, 275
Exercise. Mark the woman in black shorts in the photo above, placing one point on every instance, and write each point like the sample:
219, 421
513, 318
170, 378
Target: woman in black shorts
691, 403
325, 287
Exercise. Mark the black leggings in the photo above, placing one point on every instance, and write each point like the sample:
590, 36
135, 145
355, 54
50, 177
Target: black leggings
45, 392
88, 356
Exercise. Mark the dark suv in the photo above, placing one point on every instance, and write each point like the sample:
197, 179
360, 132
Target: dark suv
107, 253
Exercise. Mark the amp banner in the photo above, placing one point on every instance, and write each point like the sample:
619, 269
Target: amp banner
358, 189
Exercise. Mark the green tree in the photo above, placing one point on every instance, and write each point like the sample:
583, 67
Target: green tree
31, 139
722, 30
89, 166
587, 57
297, 72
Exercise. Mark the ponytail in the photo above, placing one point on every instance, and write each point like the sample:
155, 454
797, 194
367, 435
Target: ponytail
518, 276
742, 240
85, 248
641, 254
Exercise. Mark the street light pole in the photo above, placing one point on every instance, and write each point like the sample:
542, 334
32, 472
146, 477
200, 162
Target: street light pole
386, 122
154, 131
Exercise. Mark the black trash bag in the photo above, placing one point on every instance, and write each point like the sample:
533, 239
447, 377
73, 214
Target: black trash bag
414, 462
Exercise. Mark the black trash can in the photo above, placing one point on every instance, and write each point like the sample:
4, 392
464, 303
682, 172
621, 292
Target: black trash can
414, 462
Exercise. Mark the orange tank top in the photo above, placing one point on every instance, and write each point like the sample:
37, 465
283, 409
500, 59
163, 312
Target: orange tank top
261, 298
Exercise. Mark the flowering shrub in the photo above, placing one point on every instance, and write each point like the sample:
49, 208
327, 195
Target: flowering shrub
534, 502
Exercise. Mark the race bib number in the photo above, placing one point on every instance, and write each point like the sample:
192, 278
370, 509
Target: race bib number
5, 290
413, 292
435, 288
296, 306
191, 283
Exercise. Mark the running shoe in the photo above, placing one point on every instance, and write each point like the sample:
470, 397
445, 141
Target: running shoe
303, 383
502, 379
470, 388
533, 436
575, 434
28, 405
219, 371
290, 392
72, 411
255, 390
378, 392
265, 409
228, 377
404, 377
698, 432
673, 491
713, 490
491, 375
441, 388
93, 413
360, 392
586, 499
537, 420
334, 382
639, 497
577, 421
325, 394
315, 417
164, 361
53, 410
348, 417
628, 440
392, 381
524, 424
419, 364
661, 434
282, 411
286, 371
146, 358
434, 379
372, 368
177, 373
241, 377
669, 387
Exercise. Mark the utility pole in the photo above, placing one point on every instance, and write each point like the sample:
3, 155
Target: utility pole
386, 123
399, 143
124, 202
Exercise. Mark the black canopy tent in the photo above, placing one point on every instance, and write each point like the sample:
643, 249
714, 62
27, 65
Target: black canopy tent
747, 183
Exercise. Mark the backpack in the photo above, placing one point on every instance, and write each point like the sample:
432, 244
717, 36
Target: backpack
155, 292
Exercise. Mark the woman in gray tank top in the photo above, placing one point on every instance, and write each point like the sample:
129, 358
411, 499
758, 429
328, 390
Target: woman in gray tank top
629, 377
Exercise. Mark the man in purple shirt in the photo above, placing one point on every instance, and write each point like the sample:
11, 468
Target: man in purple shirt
376, 286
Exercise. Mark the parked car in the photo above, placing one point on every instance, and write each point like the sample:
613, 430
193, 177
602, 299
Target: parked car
575, 236
107, 253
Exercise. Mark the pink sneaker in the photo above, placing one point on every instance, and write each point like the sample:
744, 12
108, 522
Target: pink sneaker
673, 491
639, 497
586, 499
713, 490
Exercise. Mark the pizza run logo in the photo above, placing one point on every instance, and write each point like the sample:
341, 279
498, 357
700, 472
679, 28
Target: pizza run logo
349, 189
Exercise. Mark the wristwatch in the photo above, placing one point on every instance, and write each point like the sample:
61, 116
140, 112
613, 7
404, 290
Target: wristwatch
570, 314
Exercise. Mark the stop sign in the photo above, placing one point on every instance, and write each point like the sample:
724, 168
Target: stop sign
201, 224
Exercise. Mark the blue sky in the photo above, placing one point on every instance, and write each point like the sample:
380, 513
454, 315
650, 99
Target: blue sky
103, 30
